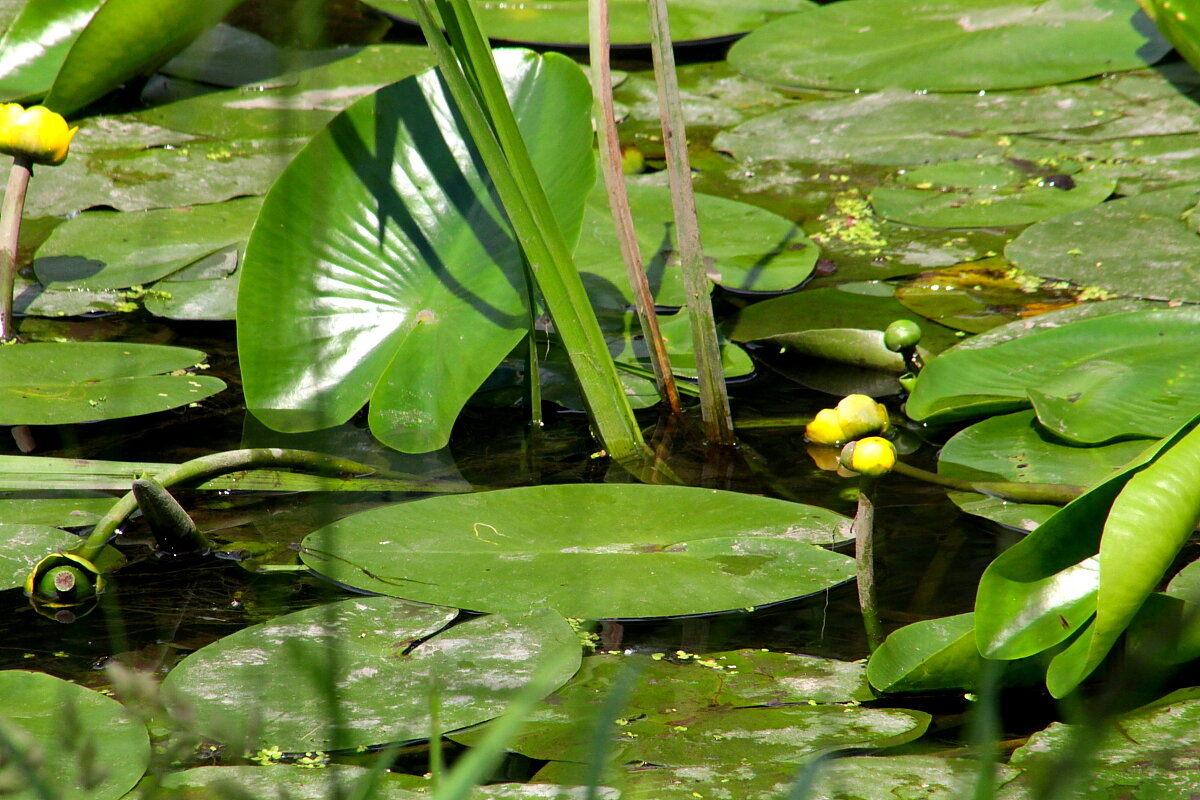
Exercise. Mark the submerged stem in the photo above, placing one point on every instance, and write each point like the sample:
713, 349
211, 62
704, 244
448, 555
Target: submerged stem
863, 529
10, 234
1014, 491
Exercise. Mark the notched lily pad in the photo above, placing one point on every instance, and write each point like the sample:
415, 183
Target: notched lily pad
343, 675
61, 383
676, 551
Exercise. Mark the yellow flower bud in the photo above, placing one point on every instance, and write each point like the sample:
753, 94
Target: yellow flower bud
872, 456
36, 133
825, 428
859, 415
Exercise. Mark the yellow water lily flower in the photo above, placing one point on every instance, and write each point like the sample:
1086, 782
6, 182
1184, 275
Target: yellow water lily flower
859, 416
825, 428
872, 456
36, 133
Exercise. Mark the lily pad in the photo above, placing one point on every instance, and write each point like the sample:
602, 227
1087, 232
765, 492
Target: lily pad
111, 249
61, 383
592, 551
918, 776
746, 248
76, 743
1141, 755
950, 45
566, 21
294, 783
1141, 246
406, 290
1123, 375
902, 128
976, 192
36, 43
346, 674
24, 545
58, 509
1014, 447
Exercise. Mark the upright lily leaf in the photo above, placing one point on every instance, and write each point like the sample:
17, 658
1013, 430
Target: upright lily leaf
347, 674
1043, 589
1150, 521
33, 48
61, 383
380, 267
125, 38
949, 45
1124, 375
61, 738
592, 550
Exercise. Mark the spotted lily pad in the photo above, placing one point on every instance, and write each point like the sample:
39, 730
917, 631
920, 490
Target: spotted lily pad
73, 742
24, 545
593, 551
60, 383
917, 776
346, 674
989, 192
1141, 246
950, 45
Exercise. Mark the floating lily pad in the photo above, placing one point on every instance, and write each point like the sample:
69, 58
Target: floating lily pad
343, 675
949, 45
111, 249
211, 299
1142, 755
61, 383
900, 128
295, 783
976, 192
1123, 375
61, 510
746, 248
891, 777
24, 545
76, 743
592, 551
1014, 447
843, 323
566, 21
1141, 246
712, 94
981, 295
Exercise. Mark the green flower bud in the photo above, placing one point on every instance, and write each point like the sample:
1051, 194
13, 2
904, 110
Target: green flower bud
901, 334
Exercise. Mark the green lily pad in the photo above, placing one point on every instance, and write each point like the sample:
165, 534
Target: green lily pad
1139, 164
918, 776
976, 192
1014, 447
1141, 246
1091, 381
61, 383
342, 675
111, 249
73, 510
746, 248
36, 43
24, 545
949, 45
900, 128
566, 21
440, 279
212, 299
78, 744
1141, 755
295, 783
1054, 319
843, 323
713, 96
592, 551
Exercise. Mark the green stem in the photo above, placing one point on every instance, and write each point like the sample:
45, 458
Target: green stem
10, 235
863, 529
714, 400
205, 468
175, 532
475, 85
1015, 491
618, 202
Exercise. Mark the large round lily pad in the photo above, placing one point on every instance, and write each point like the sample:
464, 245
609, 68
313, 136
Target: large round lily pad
950, 45
60, 383
342, 675
22, 546
78, 744
593, 551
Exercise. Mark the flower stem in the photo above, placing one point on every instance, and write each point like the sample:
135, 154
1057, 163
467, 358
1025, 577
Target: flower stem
10, 234
863, 529
1015, 491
